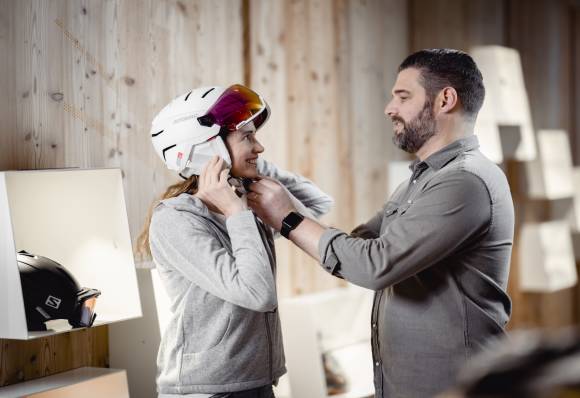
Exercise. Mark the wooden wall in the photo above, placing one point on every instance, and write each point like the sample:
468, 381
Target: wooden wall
326, 68
81, 81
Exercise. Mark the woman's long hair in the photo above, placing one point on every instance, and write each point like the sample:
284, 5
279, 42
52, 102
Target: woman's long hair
189, 186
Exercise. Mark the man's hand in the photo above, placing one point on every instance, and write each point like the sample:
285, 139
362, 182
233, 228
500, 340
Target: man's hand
270, 200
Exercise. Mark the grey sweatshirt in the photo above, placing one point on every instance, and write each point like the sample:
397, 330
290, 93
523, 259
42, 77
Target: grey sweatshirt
224, 332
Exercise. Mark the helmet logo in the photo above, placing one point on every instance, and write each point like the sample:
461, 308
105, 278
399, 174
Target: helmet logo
53, 302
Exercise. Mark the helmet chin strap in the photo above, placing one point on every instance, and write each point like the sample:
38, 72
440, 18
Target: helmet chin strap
240, 184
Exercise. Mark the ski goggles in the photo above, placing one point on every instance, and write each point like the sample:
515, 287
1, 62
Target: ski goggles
84, 314
235, 108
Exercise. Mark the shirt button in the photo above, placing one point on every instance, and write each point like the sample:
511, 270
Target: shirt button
374, 325
377, 363
414, 181
409, 201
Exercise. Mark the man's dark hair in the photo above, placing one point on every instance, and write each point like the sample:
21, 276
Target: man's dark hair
442, 67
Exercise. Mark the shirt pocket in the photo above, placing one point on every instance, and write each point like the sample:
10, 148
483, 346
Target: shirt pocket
389, 214
403, 209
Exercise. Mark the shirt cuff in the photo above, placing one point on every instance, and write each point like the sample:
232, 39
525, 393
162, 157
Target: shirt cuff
328, 258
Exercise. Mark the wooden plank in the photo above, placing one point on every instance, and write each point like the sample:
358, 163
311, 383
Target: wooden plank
27, 360
34, 130
548, 83
304, 103
7, 85
438, 23
331, 77
456, 24
188, 44
267, 75
370, 69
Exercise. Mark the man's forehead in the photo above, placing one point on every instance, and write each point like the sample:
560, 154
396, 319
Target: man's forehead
408, 79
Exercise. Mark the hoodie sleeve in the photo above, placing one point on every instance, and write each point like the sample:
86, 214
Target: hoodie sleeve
310, 200
243, 278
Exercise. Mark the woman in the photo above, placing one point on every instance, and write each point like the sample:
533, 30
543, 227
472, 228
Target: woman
215, 258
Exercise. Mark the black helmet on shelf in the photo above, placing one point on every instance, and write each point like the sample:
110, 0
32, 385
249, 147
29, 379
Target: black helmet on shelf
51, 292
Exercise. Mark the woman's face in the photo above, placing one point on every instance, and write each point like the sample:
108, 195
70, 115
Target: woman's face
244, 150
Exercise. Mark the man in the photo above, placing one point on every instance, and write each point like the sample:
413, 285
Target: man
438, 252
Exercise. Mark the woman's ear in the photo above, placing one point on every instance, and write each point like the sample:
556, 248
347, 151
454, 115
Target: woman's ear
447, 100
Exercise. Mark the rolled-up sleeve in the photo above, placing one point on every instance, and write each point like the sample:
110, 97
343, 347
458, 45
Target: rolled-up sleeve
447, 215
309, 199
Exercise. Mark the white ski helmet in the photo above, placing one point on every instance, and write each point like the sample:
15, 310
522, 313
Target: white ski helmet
186, 133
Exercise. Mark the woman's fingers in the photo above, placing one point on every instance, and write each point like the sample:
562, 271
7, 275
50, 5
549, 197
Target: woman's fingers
213, 170
203, 175
223, 177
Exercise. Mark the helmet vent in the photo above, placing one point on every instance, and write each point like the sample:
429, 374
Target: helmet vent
206, 93
166, 149
187, 96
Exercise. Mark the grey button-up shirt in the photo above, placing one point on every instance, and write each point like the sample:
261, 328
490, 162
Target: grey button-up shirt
438, 257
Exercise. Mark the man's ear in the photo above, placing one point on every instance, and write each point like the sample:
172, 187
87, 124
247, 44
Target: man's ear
447, 100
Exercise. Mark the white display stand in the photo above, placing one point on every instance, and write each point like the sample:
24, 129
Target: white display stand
78, 219
488, 134
550, 175
507, 99
83, 382
546, 257
162, 302
335, 322
133, 345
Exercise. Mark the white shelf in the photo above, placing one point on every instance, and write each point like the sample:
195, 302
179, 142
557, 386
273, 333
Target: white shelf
78, 219
83, 382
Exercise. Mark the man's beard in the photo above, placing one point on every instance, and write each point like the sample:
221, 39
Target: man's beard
417, 131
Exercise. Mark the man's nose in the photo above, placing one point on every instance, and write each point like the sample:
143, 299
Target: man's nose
390, 110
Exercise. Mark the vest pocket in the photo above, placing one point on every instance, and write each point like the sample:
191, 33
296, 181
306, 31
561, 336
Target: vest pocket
199, 339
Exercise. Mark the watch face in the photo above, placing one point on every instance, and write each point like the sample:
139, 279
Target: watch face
290, 222
293, 219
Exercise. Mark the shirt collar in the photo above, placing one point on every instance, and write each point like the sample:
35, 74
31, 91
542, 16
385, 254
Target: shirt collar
440, 158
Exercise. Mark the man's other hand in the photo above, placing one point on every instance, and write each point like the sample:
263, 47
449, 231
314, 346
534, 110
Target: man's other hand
270, 200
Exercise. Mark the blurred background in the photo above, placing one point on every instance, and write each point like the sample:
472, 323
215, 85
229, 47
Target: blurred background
82, 80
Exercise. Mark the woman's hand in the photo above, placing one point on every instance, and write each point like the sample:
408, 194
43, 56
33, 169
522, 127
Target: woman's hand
214, 190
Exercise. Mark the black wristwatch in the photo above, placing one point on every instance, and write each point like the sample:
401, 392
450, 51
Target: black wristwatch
291, 221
